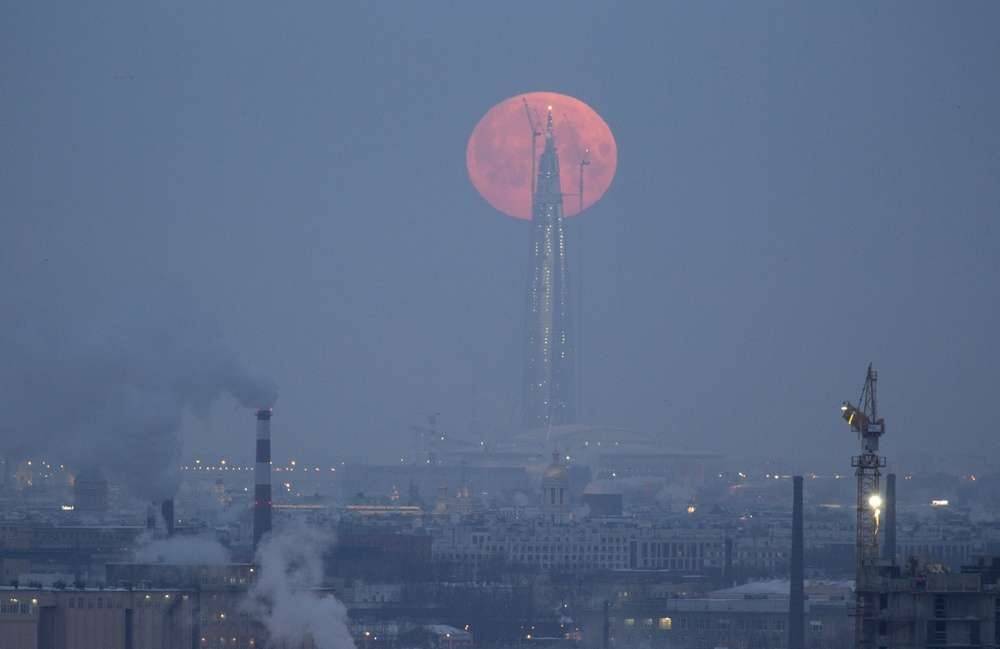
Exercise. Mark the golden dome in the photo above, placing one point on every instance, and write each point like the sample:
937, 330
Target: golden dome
555, 471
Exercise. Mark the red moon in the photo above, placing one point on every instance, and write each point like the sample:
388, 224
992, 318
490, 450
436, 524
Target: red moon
498, 155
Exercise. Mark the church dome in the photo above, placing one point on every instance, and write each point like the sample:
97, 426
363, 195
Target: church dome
555, 472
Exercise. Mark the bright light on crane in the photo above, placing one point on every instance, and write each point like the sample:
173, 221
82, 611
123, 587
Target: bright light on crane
854, 417
875, 501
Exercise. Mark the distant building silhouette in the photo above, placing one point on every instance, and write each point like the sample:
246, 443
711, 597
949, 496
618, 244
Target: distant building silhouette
90, 492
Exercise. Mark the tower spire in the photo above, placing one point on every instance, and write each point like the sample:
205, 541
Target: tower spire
549, 393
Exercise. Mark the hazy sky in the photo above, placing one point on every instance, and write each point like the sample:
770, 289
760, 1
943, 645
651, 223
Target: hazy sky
802, 188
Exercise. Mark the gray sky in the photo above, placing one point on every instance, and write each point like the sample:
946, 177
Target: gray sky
802, 188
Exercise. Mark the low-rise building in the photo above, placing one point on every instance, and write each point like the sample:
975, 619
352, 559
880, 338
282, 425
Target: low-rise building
745, 617
587, 545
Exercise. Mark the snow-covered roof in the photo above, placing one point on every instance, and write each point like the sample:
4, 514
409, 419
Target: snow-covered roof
779, 587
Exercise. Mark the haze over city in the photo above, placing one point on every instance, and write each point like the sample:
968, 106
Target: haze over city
211, 210
801, 190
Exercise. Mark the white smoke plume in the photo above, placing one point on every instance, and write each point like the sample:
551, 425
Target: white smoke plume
102, 378
182, 550
285, 598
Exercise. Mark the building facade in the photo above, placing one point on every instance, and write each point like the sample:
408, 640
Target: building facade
582, 546
924, 609
99, 619
754, 616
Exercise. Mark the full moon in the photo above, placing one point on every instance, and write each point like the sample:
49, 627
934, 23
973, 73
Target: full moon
499, 154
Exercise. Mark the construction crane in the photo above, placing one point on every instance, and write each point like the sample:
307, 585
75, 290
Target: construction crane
535, 134
864, 420
583, 163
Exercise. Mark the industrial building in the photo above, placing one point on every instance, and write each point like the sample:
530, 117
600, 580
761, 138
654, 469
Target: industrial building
744, 617
90, 492
100, 619
81, 550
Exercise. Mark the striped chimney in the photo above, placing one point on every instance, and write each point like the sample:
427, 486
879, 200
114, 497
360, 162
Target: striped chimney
262, 478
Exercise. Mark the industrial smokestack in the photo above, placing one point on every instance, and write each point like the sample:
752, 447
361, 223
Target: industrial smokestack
796, 595
889, 535
262, 478
167, 510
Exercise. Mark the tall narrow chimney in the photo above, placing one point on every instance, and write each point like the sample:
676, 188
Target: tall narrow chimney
262, 478
889, 535
167, 510
796, 595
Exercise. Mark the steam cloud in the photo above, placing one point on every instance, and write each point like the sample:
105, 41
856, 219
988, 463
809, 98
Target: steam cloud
103, 380
284, 597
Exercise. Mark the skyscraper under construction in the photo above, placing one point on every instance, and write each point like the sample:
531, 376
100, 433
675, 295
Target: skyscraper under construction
549, 396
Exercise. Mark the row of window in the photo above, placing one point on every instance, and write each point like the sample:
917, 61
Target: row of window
668, 549
654, 551
148, 601
675, 564
15, 608
545, 561
701, 622
663, 623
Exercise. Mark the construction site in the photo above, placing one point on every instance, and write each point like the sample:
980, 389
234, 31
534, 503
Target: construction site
900, 602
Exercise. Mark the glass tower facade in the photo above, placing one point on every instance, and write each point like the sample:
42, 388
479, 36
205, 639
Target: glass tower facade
549, 396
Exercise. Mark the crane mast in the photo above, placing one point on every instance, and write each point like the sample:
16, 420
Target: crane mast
864, 420
535, 134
